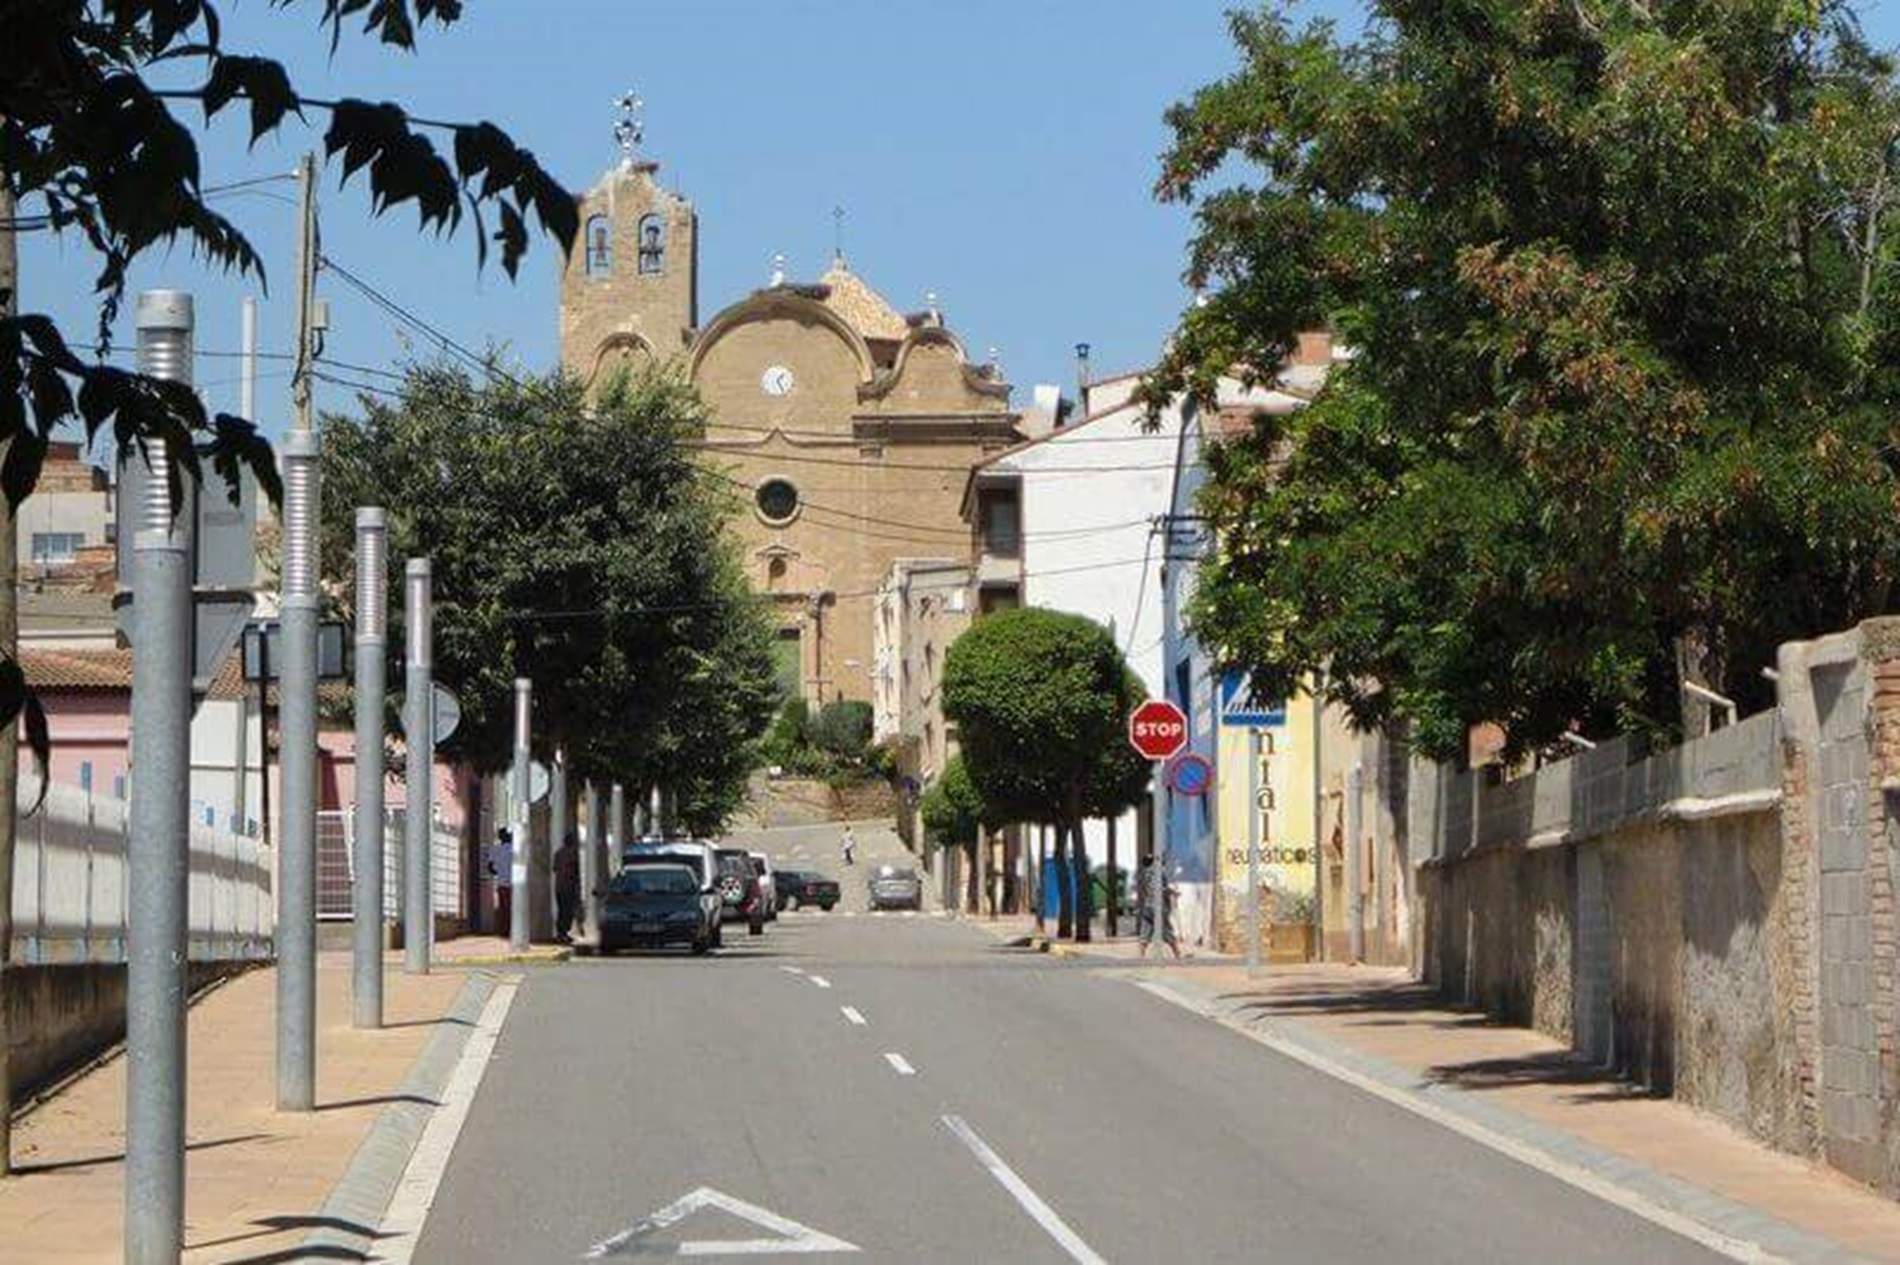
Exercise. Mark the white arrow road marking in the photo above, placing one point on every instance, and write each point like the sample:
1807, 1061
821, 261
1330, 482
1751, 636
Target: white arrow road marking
899, 1065
819, 980
851, 1013
1032, 1203
794, 1238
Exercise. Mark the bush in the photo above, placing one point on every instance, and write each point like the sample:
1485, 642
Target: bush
790, 733
843, 728
1098, 888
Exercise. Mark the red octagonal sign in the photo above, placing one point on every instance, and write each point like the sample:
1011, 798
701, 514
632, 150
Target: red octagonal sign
1157, 729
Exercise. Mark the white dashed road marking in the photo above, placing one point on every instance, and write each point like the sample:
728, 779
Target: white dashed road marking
851, 1013
819, 980
793, 970
899, 1065
1032, 1203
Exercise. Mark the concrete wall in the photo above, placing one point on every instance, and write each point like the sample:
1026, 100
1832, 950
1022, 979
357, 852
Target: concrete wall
59, 1016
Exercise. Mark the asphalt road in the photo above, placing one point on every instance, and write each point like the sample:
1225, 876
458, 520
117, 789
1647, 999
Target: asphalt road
1125, 1129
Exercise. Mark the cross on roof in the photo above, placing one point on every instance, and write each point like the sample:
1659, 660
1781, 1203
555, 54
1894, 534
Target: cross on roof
630, 129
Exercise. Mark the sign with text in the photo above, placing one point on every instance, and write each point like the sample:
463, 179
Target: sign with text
1157, 729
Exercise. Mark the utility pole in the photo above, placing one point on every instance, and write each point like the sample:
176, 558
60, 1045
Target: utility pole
616, 830
158, 865
1355, 907
418, 903
372, 632
558, 825
591, 852
9, 737
518, 795
297, 691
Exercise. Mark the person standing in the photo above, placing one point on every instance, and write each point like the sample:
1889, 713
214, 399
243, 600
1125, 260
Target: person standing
849, 846
567, 886
500, 871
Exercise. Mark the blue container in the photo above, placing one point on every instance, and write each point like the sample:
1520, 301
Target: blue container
1052, 878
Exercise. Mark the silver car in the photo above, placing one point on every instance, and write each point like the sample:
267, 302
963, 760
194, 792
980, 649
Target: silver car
893, 887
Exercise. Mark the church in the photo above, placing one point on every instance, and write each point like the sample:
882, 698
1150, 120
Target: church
846, 428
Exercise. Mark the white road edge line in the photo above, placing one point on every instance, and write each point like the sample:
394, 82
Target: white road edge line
1031, 1202
415, 1191
819, 980
1523, 1152
851, 1013
899, 1064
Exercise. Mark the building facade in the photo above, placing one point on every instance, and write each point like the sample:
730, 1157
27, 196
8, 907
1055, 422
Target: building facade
845, 429
923, 606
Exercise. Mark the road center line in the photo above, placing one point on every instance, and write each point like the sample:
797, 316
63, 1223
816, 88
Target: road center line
1031, 1202
898, 1064
819, 980
851, 1013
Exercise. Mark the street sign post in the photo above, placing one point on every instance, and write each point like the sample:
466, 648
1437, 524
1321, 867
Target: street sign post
1190, 774
1157, 729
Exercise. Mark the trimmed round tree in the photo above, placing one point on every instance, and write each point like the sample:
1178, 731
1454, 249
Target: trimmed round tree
955, 815
1041, 699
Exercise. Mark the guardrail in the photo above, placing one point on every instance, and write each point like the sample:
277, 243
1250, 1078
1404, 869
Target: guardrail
69, 883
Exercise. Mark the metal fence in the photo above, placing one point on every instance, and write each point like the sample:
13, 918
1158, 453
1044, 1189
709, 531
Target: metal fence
336, 865
69, 883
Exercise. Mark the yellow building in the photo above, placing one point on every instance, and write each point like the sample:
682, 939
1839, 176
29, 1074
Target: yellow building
1276, 759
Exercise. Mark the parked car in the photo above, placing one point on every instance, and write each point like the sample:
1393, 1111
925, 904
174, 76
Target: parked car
893, 887
659, 903
768, 885
799, 888
739, 889
696, 855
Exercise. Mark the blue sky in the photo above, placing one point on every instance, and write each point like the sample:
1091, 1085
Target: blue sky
999, 152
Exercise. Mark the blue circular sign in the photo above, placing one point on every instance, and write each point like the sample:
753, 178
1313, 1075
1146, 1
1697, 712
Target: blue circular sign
1190, 774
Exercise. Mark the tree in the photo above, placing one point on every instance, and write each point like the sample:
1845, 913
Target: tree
89, 147
843, 729
579, 546
1619, 279
954, 813
1041, 699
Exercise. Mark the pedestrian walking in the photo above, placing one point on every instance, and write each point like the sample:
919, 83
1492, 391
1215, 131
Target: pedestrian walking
567, 886
501, 864
1146, 877
849, 846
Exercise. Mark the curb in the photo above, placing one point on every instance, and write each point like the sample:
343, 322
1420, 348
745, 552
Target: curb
529, 958
1751, 1233
353, 1212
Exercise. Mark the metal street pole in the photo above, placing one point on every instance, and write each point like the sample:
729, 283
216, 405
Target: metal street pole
616, 829
558, 826
158, 867
656, 816
297, 695
372, 632
1254, 814
1355, 908
591, 852
518, 799
418, 906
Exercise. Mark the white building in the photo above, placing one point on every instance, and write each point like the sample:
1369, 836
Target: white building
1071, 521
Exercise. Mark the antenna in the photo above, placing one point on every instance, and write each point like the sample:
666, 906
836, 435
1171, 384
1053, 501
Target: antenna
837, 233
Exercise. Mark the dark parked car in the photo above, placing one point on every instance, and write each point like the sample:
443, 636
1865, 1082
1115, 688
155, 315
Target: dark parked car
895, 888
740, 891
798, 888
656, 904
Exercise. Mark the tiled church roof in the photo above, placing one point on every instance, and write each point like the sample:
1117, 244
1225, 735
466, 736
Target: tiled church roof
858, 303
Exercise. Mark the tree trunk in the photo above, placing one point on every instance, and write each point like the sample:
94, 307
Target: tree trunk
1084, 901
1065, 886
1110, 888
1035, 886
970, 898
1699, 658
9, 744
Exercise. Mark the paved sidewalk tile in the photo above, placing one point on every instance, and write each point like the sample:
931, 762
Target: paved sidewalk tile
1380, 1018
256, 1179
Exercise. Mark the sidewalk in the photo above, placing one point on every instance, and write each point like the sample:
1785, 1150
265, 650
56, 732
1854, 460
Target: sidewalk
1122, 948
256, 1179
1379, 1024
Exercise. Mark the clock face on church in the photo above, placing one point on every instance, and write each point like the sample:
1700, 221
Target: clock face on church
777, 380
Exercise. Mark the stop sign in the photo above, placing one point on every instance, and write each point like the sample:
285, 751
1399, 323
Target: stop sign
1157, 729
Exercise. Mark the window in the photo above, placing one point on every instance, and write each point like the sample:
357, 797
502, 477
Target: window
777, 500
652, 238
1001, 531
600, 249
56, 546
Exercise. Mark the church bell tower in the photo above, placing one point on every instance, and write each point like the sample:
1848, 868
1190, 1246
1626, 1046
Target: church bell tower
630, 287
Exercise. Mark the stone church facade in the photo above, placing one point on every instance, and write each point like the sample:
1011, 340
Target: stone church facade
845, 429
